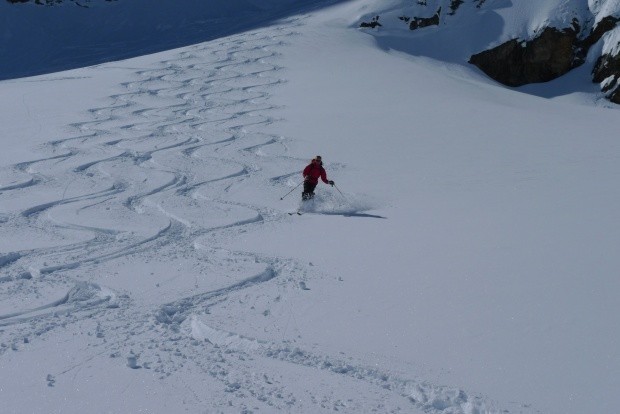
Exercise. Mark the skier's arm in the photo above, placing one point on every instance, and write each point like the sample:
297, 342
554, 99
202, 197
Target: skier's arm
324, 176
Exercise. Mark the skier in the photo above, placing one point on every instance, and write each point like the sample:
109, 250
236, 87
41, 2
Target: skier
311, 174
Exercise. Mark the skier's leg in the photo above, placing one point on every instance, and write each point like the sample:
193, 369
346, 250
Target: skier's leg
311, 188
308, 191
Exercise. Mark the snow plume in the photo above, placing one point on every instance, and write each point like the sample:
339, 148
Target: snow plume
342, 204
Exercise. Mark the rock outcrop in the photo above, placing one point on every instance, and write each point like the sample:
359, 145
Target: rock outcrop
419, 22
551, 52
454, 5
542, 59
374, 22
550, 55
607, 73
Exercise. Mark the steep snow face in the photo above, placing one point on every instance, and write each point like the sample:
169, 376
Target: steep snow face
603, 8
611, 42
38, 39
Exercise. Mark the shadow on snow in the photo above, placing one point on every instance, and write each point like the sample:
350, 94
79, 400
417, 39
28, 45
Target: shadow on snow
46, 39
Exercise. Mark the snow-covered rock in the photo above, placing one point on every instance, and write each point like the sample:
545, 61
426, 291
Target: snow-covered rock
535, 41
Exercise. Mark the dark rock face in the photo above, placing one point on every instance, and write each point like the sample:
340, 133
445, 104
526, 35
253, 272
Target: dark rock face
542, 59
605, 25
454, 5
372, 24
615, 96
418, 22
607, 69
550, 55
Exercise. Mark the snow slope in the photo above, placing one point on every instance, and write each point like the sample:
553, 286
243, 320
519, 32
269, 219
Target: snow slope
38, 39
149, 264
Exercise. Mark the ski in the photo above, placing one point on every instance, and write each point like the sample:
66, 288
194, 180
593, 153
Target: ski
299, 213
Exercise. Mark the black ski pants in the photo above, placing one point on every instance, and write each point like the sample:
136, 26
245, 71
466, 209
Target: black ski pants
308, 190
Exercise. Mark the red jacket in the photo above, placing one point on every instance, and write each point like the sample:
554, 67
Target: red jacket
313, 172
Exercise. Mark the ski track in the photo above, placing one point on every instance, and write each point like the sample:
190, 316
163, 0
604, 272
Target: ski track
146, 152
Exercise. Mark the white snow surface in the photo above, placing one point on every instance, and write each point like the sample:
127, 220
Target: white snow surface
465, 262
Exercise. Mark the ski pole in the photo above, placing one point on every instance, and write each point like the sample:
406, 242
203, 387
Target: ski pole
282, 198
339, 190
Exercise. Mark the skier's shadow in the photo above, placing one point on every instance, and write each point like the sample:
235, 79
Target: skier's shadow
363, 215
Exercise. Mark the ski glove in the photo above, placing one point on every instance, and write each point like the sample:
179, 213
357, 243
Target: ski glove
330, 182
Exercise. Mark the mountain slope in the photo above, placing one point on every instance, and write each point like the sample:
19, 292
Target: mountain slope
148, 262
42, 39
